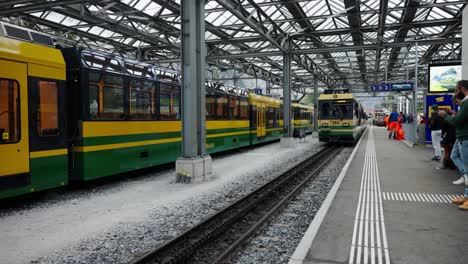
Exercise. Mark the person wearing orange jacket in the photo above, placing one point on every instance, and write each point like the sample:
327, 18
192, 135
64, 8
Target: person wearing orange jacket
393, 122
386, 121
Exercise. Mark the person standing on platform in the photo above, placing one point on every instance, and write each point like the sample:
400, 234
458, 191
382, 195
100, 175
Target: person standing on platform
448, 138
386, 121
436, 122
402, 118
393, 123
460, 150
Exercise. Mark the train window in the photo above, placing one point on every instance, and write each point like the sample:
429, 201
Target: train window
101, 62
324, 110
210, 107
222, 107
106, 96
276, 122
270, 116
253, 117
139, 70
296, 113
142, 100
169, 101
336, 110
244, 109
233, 107
47, 119
9, 111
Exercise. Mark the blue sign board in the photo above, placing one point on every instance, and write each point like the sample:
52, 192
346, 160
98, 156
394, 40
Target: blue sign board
257, 90
384, 87
443, 101
407, 86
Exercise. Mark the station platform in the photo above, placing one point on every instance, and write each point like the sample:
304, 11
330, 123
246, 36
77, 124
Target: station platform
389, 205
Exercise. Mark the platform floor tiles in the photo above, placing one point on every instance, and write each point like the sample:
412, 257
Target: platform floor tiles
393, 206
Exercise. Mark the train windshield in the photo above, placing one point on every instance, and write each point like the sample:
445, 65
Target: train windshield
336, 109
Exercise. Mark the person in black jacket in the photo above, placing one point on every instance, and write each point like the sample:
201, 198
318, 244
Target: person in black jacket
448, 139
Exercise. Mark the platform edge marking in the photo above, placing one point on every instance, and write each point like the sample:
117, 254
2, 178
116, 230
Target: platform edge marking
306, 242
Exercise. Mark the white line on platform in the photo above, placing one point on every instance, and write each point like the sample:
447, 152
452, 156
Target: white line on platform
419, 197
366, 207
306, 242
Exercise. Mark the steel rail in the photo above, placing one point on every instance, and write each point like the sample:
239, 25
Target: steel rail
181, 248
228, 252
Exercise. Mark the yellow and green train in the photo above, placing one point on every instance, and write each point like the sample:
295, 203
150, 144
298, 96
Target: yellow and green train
74, 114
341, 117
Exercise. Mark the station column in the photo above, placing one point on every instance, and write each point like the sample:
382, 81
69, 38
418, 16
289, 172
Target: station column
316, 95
465, 47
194, 164
287, 140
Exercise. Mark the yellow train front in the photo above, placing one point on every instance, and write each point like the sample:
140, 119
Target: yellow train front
341, 118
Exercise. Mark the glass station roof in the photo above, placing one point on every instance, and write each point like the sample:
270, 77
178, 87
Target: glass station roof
343, 43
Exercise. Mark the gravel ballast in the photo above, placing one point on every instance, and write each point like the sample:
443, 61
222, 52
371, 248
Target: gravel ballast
278, 240
116, 222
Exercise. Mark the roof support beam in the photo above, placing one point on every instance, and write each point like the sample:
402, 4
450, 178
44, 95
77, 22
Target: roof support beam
8, 9
408, 16
330, 49
275, 36
354, 19
380, 34
296, 10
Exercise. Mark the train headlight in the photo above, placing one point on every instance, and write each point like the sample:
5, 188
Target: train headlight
346, 124
325, 124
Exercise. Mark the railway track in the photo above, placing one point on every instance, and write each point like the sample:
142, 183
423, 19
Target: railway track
218, 237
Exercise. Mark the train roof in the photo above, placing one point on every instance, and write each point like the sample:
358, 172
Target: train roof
264, 99
78, 57
303, 106
23, 51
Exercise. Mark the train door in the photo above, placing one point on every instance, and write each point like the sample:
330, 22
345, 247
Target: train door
47, 116
14, 140
261, 122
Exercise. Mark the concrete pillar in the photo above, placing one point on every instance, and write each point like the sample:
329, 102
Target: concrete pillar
194, 164
465, 47
287, 140
316, 105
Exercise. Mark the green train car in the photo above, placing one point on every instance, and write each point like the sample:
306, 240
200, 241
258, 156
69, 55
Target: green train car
341, 117
75, 114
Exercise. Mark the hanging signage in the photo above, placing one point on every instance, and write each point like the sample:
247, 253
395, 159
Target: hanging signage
394, 87
257, 90
384, 87
398, 87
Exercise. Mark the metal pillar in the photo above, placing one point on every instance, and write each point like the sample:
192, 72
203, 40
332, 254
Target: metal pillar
236, 80
316, 95
415, 95
416, 73
193, 163
287, 140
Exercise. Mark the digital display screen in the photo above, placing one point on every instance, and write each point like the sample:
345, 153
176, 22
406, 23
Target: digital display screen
444, 78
